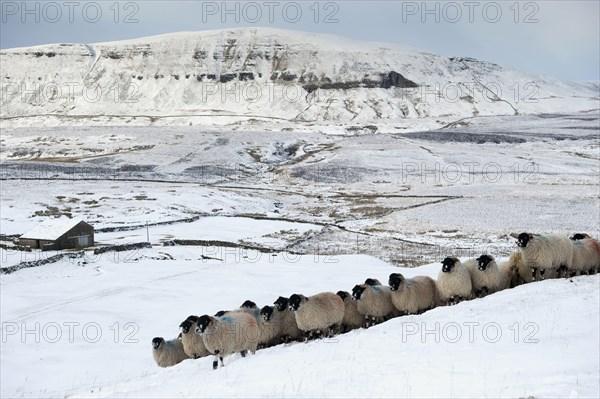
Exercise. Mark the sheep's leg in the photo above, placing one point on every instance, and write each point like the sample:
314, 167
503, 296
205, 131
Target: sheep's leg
335, 330
221, 360
487, 290
562, 271
243, 353
542, 273
478, 293
306, 335
573, 273
533, 273
216, 362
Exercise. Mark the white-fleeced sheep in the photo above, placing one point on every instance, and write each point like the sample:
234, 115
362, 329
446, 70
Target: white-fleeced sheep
454, 282
586, 255
413, 295
318, 314
551, 253
193, 345
168, 353
271, 317
268, 333
485, 276
352, 318
290, 330
232, 333
509, 271
374, 302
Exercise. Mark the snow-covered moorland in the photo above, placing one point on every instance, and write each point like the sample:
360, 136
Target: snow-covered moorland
363, 175
93, 340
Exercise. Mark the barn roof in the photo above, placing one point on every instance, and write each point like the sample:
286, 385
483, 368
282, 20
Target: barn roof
51, 229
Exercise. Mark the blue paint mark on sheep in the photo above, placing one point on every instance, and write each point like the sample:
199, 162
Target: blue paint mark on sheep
375, 288
227, 319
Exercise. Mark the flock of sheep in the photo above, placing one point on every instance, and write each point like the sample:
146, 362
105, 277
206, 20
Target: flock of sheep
302, 318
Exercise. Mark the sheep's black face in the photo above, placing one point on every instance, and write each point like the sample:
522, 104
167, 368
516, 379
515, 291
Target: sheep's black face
281, 303
219, 313
483, 261
192, 318
202, 323
579, 236
448, 265
342, 294
396, 279
523, 240
266, 312
295, 301
357, 291
248, 304
156, 342
185, 326
372, 281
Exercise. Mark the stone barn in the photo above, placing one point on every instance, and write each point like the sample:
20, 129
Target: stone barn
55, 234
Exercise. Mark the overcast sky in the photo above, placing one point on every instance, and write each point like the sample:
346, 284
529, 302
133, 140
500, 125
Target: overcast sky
555, 38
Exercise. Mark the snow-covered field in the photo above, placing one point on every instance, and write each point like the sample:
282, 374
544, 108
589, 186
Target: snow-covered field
270, 198
356, 207
408, 199
72, 331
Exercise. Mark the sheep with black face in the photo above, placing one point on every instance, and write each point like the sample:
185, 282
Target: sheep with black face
268, 332
193, 345
485, 276
284, 318
374, 302
550, 255
412, 295
232, 333
352, 318
454, 282
168, 353
318, 314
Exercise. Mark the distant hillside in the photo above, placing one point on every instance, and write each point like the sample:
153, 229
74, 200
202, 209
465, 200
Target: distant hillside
254, 76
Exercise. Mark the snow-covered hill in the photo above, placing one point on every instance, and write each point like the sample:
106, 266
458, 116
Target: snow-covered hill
92, 325
256, 76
